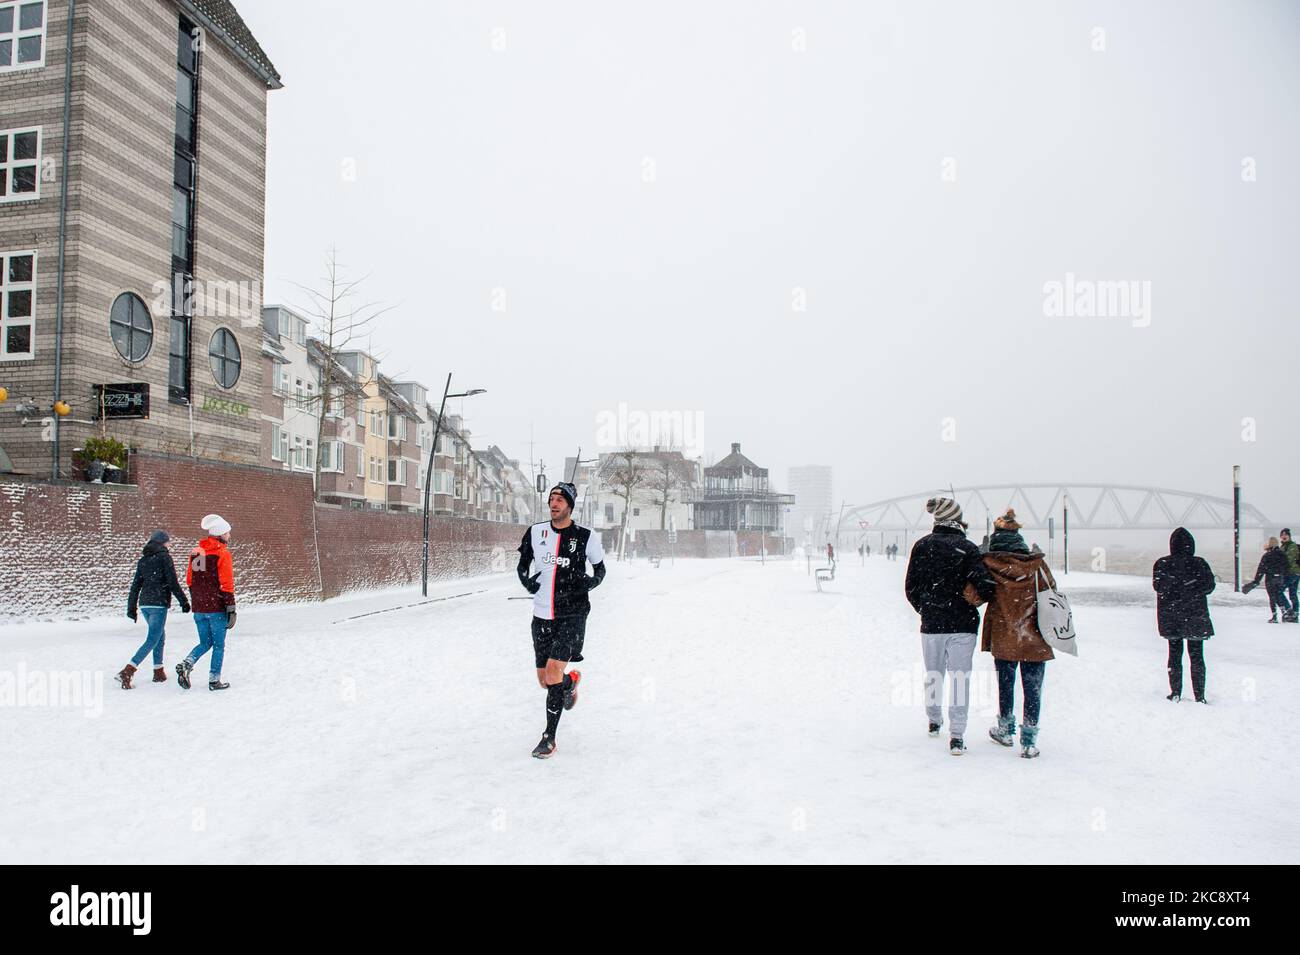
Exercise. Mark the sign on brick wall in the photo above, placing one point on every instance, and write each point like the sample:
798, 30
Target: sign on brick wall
123, 400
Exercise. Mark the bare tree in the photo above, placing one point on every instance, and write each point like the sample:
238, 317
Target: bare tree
626, 474
664, 480
339, 321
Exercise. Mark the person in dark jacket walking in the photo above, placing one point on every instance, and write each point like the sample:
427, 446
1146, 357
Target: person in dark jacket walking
1291, 583
151, 593
942, 565
1182, 582
211, 579
1011, 631
1273, 569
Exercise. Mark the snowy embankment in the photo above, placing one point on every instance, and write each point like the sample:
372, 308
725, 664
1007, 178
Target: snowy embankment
729, 712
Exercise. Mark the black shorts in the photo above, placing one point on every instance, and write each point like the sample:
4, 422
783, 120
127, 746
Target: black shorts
558, 639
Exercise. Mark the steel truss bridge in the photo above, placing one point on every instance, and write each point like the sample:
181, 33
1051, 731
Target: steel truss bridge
1093, 507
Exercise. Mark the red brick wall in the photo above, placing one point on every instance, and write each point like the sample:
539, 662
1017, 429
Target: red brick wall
67, 549
70, 549
362, 549
273, 538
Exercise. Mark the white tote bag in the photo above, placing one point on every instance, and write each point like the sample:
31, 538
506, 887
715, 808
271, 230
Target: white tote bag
1055, 620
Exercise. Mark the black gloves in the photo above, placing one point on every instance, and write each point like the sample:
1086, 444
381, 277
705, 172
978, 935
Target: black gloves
132, 615
592, 583
185, 607
1247, 588
534, 583
230, 619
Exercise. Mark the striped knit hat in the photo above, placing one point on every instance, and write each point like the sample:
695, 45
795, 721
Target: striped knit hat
944, 509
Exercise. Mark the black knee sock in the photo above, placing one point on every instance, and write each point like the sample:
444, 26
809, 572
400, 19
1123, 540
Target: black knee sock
554, 707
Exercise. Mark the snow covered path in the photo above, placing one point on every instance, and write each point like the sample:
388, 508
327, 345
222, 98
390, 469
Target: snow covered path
729, 713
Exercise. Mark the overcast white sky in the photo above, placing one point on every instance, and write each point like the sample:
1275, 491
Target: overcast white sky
777, 168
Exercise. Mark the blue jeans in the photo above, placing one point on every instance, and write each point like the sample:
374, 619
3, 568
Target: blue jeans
1031, 680
212, 636
1290, 584
156, 618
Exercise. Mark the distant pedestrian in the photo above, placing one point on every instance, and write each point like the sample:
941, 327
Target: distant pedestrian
1272, 570
942, 565
151, 594
1011, 632
1292, 583
1183, 582
211, 579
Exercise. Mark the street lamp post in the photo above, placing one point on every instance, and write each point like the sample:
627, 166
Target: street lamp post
428, 478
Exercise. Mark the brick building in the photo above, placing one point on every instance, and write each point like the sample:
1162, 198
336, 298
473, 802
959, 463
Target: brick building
162, 233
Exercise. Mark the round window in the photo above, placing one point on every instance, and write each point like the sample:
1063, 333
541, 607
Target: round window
131, 326
223, 354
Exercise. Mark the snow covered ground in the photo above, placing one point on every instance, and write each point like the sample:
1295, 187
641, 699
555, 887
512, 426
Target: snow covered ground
729, 713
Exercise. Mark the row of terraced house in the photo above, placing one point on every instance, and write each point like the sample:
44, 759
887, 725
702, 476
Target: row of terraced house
373, 434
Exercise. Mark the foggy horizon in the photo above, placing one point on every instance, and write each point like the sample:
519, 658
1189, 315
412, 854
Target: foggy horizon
831, 233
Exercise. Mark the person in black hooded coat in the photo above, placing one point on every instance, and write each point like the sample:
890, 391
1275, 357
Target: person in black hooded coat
151, 594
1183, 582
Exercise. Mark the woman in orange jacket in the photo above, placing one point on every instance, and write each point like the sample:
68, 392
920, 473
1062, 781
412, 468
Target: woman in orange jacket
211, 579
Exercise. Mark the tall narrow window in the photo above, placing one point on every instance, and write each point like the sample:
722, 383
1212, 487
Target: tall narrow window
17, 305
181, 373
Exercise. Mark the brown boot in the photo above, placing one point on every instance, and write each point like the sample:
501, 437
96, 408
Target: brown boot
160, 674
124, 677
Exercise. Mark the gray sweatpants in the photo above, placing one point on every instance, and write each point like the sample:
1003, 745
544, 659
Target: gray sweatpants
951, 653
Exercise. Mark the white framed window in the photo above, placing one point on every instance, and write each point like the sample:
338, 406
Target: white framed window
335, 408
397, 471
376, 422
361, 464
309, 455
17, 305
397, 427
22, 35
280, 382
279, 443
331, 456
300, 331
20, 164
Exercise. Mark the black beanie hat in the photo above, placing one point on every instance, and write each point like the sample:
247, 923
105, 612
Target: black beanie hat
566, 491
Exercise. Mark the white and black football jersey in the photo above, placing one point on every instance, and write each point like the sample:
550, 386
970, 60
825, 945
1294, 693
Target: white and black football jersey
558, 559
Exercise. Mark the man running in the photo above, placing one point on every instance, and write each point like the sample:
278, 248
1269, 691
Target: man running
561, 550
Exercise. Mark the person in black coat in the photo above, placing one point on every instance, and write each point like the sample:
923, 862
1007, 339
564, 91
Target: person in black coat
1273, 569
1182, 582
942, 565
151, 594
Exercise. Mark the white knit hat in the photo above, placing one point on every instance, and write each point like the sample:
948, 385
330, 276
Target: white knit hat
216, 525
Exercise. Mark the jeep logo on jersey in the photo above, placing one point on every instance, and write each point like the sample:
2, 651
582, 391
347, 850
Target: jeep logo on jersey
557, 561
